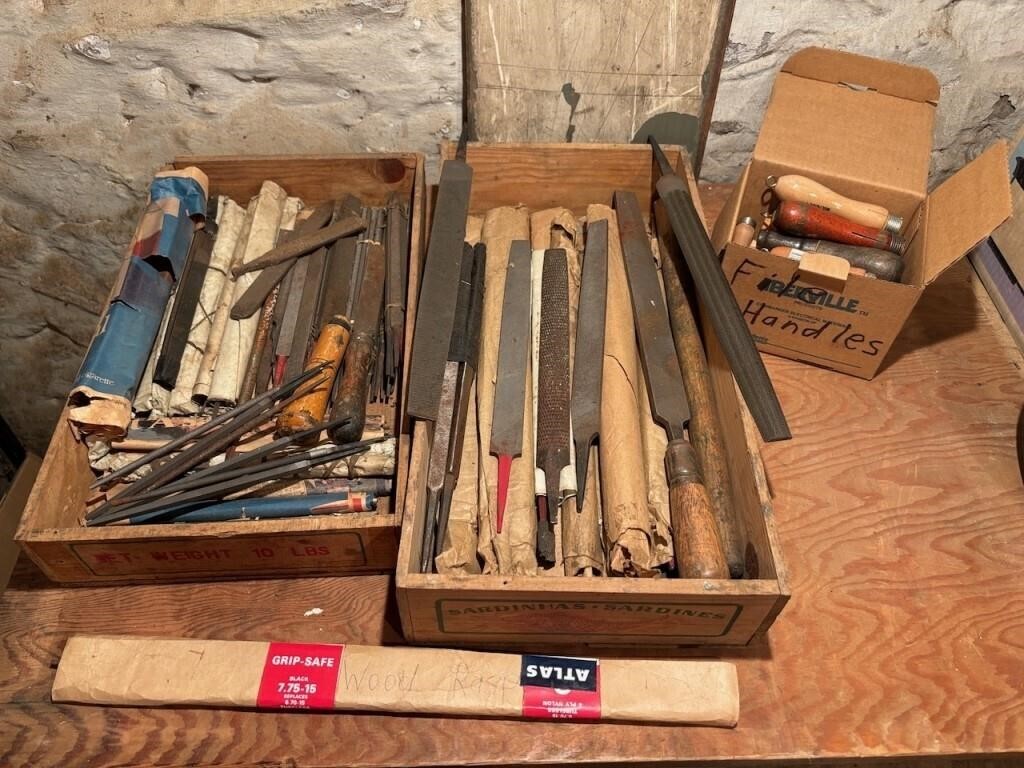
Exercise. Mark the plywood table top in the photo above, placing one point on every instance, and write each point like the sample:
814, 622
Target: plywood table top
901, 514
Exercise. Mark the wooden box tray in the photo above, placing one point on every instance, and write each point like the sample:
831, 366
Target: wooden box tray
333, 544
559, 613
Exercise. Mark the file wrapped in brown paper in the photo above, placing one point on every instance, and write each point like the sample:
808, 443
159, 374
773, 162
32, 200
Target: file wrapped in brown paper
236, 343
627, 528
230, 218
459, 553
154, 672
221, 312
655, 442
511, 552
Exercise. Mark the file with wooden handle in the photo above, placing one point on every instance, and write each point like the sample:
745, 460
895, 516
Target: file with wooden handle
698, 549
329, 347
350, 392
720, 303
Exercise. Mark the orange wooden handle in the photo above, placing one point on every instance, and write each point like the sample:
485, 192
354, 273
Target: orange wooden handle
698, 548
308, 411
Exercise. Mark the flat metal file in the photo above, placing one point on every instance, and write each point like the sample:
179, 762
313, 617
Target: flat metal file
588, 366
306, 329
694, 530
341, 226
186, 297
513, 354
441, 447
289, 300
717, 297
553, 390
438, 293
258, 291
465, 351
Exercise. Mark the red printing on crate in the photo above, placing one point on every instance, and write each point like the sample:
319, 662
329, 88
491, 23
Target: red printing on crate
543, 703
300, 676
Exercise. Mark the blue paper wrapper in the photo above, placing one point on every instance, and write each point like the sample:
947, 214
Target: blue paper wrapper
105, 386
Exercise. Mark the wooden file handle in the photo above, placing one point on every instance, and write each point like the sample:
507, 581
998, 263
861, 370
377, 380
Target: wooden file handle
811, 221
800, 189
309, 410
698, 549
350, 397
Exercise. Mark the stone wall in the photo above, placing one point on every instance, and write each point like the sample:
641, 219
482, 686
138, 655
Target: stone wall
96, 93
974, 47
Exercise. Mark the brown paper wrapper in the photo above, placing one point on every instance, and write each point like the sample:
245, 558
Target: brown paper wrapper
271, 204
655, 441
513, 551
458, 555
150, 671
583, 547
222, 312
626, 517
230, 218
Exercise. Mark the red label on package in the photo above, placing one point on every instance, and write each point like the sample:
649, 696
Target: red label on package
300, 676
561, 688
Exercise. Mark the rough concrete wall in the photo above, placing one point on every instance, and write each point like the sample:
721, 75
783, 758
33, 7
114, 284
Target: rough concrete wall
95, 95
974, 47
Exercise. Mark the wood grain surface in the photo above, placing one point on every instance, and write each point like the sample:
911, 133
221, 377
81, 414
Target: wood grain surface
545, 70
899, 508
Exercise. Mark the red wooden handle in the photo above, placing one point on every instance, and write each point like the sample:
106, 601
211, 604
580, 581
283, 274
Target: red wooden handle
811, 221
504, 473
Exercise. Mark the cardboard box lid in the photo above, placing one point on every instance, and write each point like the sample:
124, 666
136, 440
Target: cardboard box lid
962, 212
834, 113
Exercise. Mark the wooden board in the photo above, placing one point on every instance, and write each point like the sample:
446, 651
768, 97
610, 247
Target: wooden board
898, 505
330, 544
594, 70
12, 503
559, 614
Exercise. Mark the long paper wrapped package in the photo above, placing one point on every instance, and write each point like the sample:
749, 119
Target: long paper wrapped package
101, 398
236, 342
143, 671
230, 217
623, 471
222, 312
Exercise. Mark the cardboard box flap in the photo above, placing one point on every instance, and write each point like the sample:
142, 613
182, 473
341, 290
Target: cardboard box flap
864, 72
963, 211
833, 116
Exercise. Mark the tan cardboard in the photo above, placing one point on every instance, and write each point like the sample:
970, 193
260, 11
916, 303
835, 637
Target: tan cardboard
152, 671
862, 127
